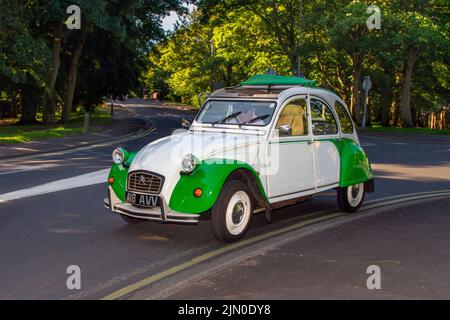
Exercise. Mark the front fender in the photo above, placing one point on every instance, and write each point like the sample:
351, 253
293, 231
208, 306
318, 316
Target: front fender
210, 176
355, 166
120, 172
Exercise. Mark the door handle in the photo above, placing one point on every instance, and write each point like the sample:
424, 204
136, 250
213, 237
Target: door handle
310, 141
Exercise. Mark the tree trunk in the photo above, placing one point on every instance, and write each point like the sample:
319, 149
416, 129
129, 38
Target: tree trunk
72, 76
28, 104
405, 96
229, 80
13, 95
386, 103
50, 94
387, 97
356, 96
293, 61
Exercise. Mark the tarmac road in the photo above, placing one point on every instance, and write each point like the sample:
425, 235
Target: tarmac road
43, 234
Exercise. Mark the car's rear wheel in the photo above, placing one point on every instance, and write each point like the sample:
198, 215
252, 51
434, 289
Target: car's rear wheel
351, 198
131, 220
232, 213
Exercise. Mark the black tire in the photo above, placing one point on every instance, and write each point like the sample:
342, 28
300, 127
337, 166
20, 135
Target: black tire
219, 212
131, 220
345, 202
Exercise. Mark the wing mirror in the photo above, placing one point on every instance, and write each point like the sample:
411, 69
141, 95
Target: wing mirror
185, 123
285, 130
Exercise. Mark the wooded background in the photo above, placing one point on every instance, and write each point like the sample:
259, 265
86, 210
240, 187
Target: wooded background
121, 49
225, 42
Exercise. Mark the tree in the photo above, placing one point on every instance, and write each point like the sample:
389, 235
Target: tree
281, 19
23, 56
113, 74
205, 53
420, 36
133, 24
350, 34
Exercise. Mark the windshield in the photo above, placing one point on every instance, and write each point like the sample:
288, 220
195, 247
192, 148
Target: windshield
249, 113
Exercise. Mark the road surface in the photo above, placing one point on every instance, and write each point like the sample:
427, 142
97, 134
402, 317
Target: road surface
43, 232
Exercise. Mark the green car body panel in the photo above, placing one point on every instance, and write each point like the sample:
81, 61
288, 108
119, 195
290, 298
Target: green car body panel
355, 166
120, 172
210, 176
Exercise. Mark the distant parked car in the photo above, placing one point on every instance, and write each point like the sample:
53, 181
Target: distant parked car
270, 142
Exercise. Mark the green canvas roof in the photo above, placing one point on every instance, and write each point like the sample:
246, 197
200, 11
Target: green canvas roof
265, 80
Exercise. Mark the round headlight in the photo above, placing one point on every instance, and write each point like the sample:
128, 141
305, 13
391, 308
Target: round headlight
119, 155
188, 163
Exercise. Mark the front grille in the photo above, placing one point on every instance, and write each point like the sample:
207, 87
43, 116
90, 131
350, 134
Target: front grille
145, 182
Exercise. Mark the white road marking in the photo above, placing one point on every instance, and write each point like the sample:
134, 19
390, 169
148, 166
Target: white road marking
83, 180
20, 169
368, 144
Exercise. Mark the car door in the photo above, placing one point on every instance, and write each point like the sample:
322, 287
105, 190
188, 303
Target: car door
325, 133
289, 153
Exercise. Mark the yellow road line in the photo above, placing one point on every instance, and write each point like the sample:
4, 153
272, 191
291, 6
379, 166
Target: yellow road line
161, 275
152, 279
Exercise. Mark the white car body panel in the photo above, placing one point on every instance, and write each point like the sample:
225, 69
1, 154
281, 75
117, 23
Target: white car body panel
295, 169
327, 163
164, 156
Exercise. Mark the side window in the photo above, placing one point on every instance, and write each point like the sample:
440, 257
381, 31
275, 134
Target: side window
344, 118
323, 121
293, 119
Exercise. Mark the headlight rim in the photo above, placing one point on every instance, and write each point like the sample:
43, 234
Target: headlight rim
193, 163
123, 152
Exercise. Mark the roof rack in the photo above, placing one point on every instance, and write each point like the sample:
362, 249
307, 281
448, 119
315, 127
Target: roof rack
272, 80
263, 87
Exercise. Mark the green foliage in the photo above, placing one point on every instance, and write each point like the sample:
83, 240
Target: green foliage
225, 42
115, 35
23, 55
337, 50
200, 56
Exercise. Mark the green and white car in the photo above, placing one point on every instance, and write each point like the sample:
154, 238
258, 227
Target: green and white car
270, 142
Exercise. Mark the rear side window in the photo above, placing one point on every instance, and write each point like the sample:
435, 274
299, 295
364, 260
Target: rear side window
323, 121
344, 118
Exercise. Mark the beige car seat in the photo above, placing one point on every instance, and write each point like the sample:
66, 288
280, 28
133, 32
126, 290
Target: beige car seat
293, 115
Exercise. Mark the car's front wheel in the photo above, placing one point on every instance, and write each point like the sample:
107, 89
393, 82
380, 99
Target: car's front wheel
351, 198
232, 213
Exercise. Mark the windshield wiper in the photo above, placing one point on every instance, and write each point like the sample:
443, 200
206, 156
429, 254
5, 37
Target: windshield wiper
231, 116
264, 116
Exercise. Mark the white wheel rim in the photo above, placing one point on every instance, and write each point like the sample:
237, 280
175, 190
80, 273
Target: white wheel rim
238, 213
355, 194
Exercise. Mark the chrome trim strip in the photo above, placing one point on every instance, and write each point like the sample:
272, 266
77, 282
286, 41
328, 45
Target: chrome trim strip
154, 215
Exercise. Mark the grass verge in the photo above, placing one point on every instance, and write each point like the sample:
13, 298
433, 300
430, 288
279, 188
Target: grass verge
378, 128
13, 133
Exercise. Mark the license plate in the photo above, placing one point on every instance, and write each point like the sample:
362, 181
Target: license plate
143, 200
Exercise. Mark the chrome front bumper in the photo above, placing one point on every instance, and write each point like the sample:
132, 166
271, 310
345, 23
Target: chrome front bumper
156, 214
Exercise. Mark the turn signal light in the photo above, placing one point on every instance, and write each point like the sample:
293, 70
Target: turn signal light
198, 193
111, 180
